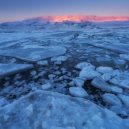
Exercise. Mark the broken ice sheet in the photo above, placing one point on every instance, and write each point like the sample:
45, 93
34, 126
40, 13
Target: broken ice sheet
7, 69
34, 54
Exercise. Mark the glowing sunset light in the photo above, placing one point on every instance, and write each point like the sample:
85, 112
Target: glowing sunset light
68, 18
79, 18
65, 10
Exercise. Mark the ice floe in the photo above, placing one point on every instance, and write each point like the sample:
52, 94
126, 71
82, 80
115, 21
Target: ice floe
125, 99
43, 63
88, 73
104, 86
78, 82
112, 99
121, 79
104, 70
78, 92
8, 69
59, 58
52, 110
106, 76
34, 54
47, 86
124, 56
83, 65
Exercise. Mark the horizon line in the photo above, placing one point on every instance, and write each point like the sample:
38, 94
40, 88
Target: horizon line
74, 18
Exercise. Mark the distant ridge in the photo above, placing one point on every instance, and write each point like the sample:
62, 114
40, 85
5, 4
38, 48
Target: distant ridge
66, 19
76, 18
79, 18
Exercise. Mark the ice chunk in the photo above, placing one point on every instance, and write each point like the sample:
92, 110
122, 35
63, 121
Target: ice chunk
116, 89
88, 73
124, 56
51, 76
118, 110
104, 70
59, 58
119, 61
3, 102
47, 86
106, 76
78, 82
78, 92
43, 63
111, 99
8, 69
125, 99
50, 109
84, 65
101, 84
122, 80
116, 73
34, 54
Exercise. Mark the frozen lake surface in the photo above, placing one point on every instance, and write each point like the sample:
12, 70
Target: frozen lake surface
84, 68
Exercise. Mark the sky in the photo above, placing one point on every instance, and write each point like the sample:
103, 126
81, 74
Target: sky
11, 10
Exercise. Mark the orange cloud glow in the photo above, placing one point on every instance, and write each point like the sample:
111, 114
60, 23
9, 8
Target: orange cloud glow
78, 18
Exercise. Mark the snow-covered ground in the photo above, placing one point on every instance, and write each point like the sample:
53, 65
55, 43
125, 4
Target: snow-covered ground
64, 76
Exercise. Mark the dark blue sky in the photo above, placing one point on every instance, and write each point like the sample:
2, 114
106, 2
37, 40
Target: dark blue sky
20, 9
